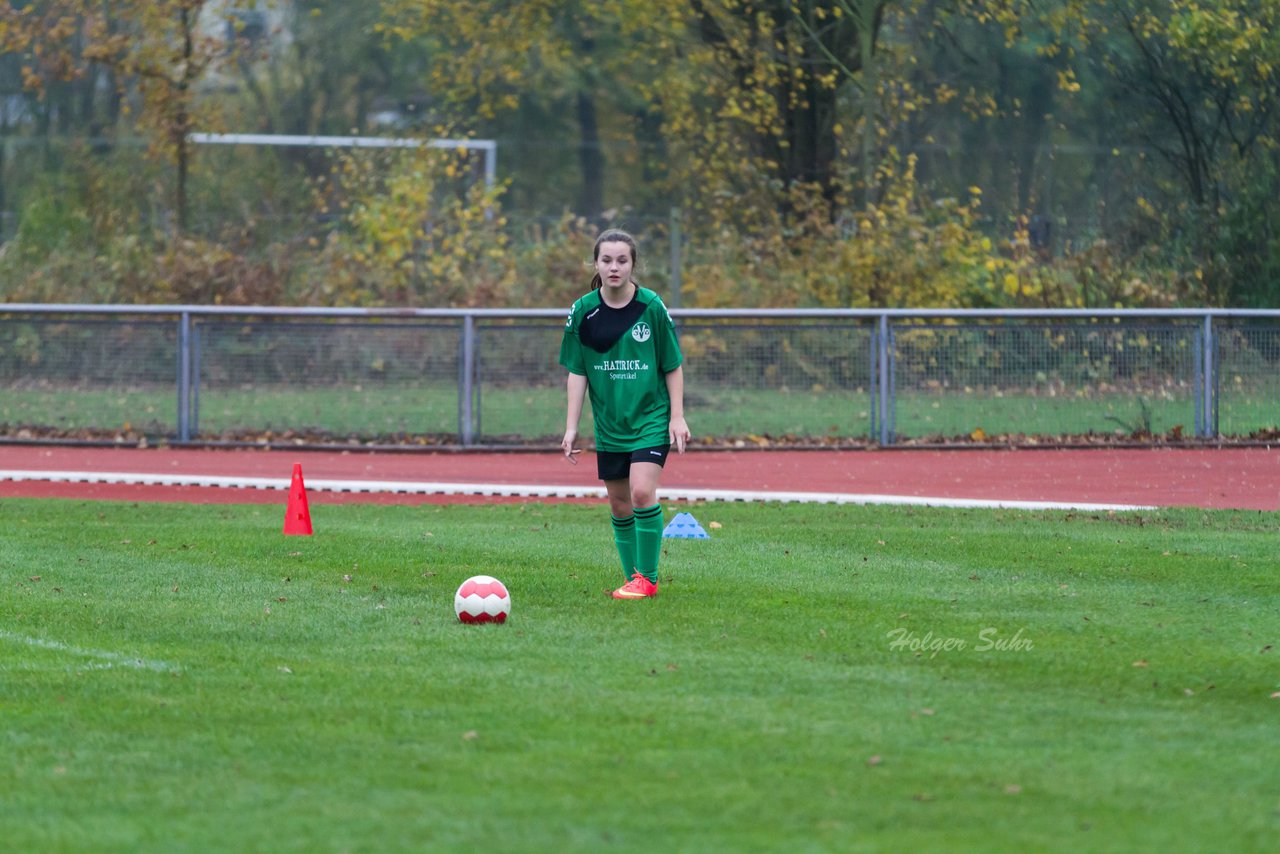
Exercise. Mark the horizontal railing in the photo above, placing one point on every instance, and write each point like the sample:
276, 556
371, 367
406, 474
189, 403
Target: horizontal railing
471, 376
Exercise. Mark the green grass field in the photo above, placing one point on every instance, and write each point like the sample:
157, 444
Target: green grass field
180, 677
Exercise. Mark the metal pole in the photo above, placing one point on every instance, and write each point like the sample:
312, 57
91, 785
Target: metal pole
1197, 382
892, 361
873, 348
892, 384
490, 165
184, 377
466, 381
196, 355
1210, 380
886, 431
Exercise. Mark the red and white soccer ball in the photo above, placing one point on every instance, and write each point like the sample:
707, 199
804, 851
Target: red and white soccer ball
482, 599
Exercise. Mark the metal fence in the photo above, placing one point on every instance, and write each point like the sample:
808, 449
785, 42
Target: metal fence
469, 377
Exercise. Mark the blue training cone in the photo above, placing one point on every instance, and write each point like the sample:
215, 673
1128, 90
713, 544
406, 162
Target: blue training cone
684, 526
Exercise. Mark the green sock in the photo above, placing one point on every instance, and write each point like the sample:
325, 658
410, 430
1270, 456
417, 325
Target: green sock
624, 536
648, 540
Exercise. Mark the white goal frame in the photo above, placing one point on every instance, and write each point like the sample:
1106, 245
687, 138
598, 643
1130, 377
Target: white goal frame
488, 146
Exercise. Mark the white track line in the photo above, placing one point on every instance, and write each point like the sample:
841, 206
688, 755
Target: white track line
106, 659
520, 490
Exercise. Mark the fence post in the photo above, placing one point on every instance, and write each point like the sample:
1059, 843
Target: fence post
1210, 405
1197, 381
886, 393
873, 347
197, 353
466, 381
184, 377
891, 351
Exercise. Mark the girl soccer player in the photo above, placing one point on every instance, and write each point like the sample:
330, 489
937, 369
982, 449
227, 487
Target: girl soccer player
620, 345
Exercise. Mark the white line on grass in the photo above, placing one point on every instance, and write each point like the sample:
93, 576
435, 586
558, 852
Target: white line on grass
105, 659
519, 490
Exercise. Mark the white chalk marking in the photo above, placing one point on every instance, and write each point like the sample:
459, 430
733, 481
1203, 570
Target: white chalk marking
105, 659
521, 490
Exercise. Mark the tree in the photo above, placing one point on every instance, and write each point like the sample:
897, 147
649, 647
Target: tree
1207, 75
328, 75
784, 62
832, 29
557, 61
154, 51
1199, 85
978, 106
1162, 125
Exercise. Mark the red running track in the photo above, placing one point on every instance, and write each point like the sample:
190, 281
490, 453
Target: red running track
1241, 478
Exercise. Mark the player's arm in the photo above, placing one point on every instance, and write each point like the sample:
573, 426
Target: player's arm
679, 430
577, 389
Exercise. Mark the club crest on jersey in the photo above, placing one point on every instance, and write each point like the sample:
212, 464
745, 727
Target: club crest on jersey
641, 332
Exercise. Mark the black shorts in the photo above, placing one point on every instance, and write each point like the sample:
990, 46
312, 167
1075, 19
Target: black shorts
616, 465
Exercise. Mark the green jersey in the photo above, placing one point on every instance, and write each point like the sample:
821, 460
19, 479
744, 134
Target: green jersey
625, 354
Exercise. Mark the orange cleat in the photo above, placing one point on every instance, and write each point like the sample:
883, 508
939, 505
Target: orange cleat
638, 587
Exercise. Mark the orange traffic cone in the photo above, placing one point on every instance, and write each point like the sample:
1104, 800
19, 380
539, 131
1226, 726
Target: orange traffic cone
297, 516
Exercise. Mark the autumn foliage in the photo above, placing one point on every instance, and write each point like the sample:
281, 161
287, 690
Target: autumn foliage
813, 152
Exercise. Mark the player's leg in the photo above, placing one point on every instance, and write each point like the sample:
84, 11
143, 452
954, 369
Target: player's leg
613, 469
648, 515
622, 515
638, 585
